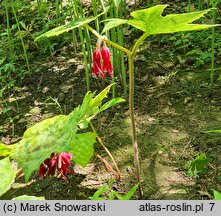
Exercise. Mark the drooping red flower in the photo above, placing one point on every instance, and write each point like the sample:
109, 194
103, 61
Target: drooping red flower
57, 165
105, 53
64, 161
98, 72
101, 61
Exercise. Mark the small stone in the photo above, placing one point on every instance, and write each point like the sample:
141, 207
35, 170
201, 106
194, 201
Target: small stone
45, 90
35, 111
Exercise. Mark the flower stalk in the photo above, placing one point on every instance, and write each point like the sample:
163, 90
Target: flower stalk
108, 152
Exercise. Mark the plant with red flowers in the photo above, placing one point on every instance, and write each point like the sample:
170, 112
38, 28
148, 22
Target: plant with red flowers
151, 22
61, 134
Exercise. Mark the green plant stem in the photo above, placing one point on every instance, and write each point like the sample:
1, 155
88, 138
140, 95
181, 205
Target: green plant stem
131, 108
138, 42
188, 7
94, 5
88, 48
21, 38
71, 8
76, 12
213, 50
57, 9
8, 29
199, 4
117, 37
121, 42
212, 59
114, 14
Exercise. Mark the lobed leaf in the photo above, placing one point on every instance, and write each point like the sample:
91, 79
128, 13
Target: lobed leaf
62, 29
113, 23
7, 175
67, 27
151, 21
97, 100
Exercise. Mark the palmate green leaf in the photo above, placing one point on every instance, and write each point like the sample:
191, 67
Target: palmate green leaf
7, 175
94, 106
151, 21
25, 197
84, 111
64, 28
67, 27
154, 23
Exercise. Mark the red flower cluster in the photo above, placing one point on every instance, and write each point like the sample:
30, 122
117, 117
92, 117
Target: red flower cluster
57, 165
101, 61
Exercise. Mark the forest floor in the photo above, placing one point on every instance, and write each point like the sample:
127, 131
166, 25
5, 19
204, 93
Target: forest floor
173, 109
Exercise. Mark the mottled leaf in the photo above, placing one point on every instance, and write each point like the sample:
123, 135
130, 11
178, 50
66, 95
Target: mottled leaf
82, 148
39, 141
